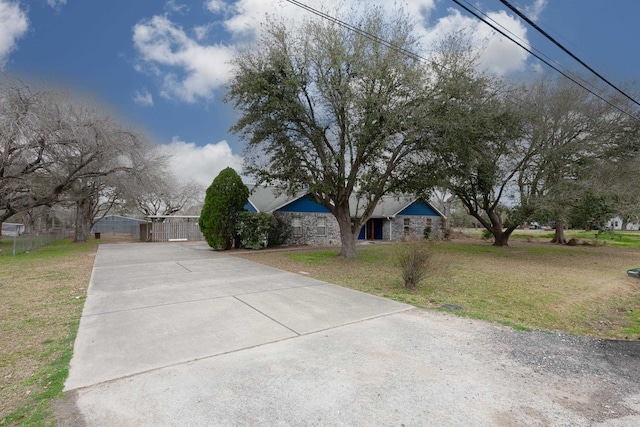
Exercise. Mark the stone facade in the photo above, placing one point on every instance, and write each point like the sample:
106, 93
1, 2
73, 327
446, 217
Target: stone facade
308, 233
410, 225
395, 229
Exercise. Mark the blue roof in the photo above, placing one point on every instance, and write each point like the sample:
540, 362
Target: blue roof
304, 204
270, 199
419, 208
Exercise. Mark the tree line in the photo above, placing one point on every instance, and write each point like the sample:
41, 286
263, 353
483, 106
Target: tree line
57, 149
344, 115
348, 117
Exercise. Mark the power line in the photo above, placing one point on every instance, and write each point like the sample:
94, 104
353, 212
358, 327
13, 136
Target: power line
549, 64
415, 56
357, 30
567, 51
515, 36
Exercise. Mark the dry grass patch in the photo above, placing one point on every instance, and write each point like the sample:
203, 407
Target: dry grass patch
42, 294
582, 290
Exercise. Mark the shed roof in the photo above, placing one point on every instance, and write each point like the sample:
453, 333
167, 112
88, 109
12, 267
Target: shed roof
113, 217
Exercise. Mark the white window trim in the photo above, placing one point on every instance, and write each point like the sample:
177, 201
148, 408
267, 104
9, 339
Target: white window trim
324, 227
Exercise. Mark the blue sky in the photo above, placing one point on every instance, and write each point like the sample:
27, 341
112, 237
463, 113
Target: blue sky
163, 65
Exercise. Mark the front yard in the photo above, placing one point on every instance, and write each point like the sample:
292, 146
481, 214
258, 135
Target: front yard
579, 290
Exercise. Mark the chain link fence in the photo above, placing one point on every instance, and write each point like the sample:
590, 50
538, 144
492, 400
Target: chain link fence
14, 241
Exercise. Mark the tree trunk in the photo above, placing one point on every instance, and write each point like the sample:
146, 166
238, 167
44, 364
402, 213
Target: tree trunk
347, 236
501, 238
558, 237
83, 223
500, 235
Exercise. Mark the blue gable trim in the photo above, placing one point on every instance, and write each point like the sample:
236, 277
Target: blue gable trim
418, 208
305, 205
249, 208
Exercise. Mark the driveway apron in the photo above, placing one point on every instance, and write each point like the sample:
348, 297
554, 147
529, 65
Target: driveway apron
151, 306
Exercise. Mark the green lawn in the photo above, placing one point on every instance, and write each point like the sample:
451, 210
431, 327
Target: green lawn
580, 289
626, 239
42, 294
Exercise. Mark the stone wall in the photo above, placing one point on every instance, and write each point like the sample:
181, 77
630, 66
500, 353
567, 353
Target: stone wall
414, 228
309, 235
395, 226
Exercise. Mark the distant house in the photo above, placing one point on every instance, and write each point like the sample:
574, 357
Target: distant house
395, 217
618, 224
11, 229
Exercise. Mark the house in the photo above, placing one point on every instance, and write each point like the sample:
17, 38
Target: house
618, 224
394, 217
11, 229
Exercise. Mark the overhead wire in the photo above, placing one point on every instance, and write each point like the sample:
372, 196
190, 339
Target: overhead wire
359, 31
526, 43
564, 49
477, 14
548, 63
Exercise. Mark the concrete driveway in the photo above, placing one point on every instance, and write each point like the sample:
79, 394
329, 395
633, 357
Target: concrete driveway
176, 334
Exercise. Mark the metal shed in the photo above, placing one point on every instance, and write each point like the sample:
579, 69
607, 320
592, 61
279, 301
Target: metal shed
117, 224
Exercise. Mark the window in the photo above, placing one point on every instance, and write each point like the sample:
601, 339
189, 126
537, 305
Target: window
428, 222
321, 226
407, 226
296, 226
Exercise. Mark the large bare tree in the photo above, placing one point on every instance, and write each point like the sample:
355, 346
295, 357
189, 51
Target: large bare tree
29, 131
332, 110
576, 138
55, 147
161, 193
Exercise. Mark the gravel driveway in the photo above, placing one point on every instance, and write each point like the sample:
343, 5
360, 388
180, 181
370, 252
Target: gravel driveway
596, 379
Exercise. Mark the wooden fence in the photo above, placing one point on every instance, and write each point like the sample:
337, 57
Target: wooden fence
171, 232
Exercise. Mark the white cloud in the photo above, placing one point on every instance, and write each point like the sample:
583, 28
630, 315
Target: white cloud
497, 54
201, 31
13, 25
143, 97
172, 7
501, 55
189, 70
202, 164
215, 6
533, 11
249, 14
56, 4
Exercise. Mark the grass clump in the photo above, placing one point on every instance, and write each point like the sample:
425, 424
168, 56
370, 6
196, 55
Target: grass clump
414, 263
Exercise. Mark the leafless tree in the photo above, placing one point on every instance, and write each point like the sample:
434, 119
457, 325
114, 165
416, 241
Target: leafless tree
55, 148
161, 193
573, 135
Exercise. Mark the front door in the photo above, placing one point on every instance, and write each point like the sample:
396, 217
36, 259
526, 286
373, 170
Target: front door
372, 230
